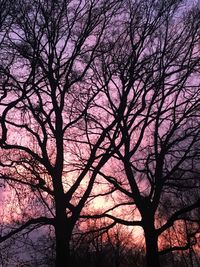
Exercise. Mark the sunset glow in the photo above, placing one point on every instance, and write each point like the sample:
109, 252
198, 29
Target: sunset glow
99, 133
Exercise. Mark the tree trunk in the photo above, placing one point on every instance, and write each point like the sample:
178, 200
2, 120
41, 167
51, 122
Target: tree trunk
63, 231
62, 251
151, 240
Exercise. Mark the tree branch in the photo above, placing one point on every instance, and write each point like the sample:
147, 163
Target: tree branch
176, 217
40, 220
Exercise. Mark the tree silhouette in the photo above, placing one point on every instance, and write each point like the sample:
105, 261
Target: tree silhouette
100, 99
152, 91
49, 58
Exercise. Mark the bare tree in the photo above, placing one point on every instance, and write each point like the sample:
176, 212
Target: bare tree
152, 90
101, 91
49, 84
